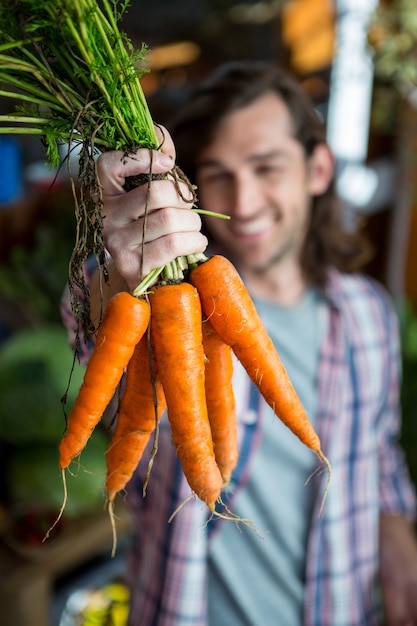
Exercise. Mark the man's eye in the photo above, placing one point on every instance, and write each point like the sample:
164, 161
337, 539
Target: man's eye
266, 170
216, 179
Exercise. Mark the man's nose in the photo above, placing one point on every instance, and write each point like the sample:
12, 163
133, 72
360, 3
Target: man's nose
247, 197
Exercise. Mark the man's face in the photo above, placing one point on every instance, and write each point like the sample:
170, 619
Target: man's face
256, 172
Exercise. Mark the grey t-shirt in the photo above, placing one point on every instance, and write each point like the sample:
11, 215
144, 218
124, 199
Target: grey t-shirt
258, 579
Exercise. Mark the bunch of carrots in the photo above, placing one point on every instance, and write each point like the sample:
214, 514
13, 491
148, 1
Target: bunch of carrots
76, 78
176, 345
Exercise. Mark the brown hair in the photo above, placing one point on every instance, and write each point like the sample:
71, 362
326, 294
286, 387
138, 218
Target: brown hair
236, 85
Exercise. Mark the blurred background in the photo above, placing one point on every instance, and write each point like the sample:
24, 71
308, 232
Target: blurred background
358, 61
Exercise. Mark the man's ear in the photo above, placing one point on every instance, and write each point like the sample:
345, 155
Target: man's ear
321, 169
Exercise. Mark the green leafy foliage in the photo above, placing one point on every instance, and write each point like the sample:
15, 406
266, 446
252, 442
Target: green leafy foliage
76, 72
393, 40
393, 37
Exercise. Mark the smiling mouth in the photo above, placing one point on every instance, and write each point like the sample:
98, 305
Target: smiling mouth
253, 228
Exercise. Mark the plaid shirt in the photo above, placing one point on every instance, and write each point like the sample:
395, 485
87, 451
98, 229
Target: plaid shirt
358, 424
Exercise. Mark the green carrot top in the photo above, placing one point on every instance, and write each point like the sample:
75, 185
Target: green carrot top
74, 73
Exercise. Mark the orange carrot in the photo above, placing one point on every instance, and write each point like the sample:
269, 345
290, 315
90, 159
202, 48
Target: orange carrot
176, 336
141, 407
228, 306
220, 399
124, 323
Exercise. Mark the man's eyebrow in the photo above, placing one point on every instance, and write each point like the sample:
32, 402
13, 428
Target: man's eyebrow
254, 158
209, 163
268, 156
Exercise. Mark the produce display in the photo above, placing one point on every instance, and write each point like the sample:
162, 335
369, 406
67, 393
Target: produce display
34, 366
76, 78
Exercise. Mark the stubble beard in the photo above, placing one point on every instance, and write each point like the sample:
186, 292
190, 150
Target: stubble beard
262, 267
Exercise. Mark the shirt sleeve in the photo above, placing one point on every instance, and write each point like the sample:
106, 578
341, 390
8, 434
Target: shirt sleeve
397, 493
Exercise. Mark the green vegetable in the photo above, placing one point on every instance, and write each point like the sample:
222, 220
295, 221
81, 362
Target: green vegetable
35, 482
34, 369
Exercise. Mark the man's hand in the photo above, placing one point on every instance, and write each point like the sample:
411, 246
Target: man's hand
398, 570
138, 244
147, 227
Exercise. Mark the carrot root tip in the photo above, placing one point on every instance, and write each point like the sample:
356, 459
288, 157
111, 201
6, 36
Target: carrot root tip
61, 511
113, 526
179, 507
151, 461
318, 471
232, 517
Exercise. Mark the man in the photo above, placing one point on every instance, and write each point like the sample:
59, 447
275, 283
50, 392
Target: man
249, 138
